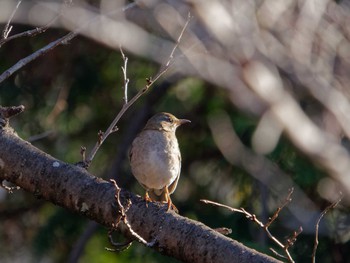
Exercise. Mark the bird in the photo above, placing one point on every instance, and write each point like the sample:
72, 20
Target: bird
155, 157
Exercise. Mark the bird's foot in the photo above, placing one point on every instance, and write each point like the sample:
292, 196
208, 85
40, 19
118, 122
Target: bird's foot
147, 199
171, 206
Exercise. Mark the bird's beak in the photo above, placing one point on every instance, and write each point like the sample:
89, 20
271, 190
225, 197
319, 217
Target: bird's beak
183, 121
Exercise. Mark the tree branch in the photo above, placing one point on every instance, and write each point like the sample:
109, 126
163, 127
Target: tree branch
324, 212
285, 246
24, 61
73, 188
8, 26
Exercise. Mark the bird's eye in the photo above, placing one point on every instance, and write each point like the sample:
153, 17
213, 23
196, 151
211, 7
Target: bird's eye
170, 120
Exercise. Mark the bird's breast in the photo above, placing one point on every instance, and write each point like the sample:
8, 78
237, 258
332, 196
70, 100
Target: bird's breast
155, 160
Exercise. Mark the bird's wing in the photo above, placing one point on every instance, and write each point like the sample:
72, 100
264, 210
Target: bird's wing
173, 185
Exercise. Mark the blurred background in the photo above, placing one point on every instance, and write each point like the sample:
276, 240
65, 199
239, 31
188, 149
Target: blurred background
265, 84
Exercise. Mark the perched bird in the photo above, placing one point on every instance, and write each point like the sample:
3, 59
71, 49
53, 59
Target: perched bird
155, 157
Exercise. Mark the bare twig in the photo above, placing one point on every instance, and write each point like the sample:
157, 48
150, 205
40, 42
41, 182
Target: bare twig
126, 106
8, 26
123, 217
126, 80
61, 41
178, 40
324, 212
100, 136
287, 200
32, 32
289, 242
9, 189
82, 152
223, 230
277, 254
28, 33
117, 246
9, 112
24, 61
224, 206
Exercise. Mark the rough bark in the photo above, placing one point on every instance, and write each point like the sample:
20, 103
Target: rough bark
74, 188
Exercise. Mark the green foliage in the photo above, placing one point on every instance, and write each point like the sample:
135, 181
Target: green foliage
303, 172
95, 251
57, 232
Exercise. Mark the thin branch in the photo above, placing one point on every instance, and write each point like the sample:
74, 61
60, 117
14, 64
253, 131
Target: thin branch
28, 33
35, 31
9, 112
224, 206
75, 184
223, 230
24, 61
248, 215
8, 27
117, 246
9, 189
277, 254
61, 41
82, 153
126, 106
287, 200
289, 242
21, 63
126, 80
179, 39
324, 212
123, 217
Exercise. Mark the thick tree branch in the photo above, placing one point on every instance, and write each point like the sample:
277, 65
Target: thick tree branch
72, 187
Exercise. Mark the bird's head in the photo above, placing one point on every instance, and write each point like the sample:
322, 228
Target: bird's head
165, 121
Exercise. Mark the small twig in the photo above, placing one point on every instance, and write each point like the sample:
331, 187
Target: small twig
224, 206
149, 82
117, 246
82, 152
8, 27
324, 212
126, 80
277, 254
124, 218
62, 41
289, 242
8, 112
28, 33
249, 216
24, 61
35, 31
100, 136
287, 200
178, 39
9, 189
223, 230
